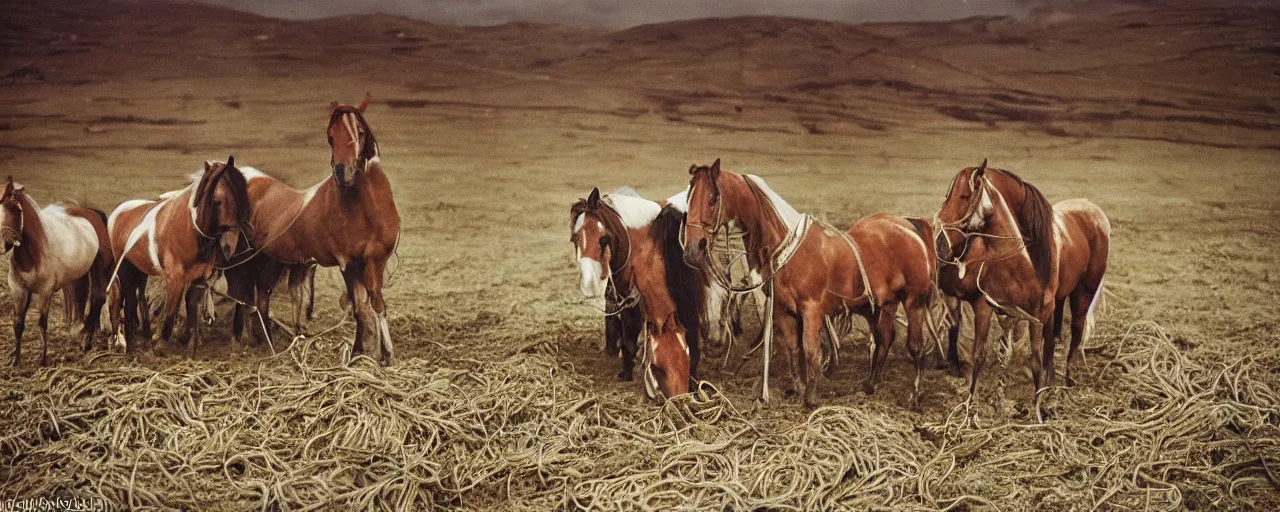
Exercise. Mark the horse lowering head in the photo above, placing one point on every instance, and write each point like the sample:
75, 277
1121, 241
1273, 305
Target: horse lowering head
670, 352
965, 210
221, 205
352, 142
593, 243
706, 213
11, 209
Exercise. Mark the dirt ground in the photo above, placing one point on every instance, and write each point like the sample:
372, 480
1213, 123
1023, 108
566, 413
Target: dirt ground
1166, 118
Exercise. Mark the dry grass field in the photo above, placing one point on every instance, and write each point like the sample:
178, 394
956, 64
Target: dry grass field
501, 398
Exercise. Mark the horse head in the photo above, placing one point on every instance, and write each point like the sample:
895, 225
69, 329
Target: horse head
593, 235
705, 214
965, 210
353, 144
669, 353
12, 204
220, 205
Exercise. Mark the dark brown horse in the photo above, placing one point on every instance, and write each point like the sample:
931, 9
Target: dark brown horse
348, 221
816, 271
1023, 266
55, 248
184, 238
634, 244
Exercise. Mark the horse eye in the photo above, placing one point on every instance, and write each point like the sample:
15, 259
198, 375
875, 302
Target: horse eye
604, 240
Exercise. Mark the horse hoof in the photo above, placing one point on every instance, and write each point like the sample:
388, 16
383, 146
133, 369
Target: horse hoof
1071, 382
625, 376
868, 387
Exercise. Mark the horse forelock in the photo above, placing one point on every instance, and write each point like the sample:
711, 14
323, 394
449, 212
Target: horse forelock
368, 142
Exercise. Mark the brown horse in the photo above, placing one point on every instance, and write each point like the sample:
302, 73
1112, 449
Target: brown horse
882, 262
54, 248
349, 220
634, 244
999, 263
183, 237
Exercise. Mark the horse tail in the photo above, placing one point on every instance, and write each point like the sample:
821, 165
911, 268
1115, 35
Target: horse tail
1093, 306
924, 229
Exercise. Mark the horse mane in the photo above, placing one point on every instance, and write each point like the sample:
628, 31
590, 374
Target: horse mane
684, 282
790, 216
1036, 222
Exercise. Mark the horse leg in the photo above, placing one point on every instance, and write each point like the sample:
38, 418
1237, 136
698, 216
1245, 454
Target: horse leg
191, 299
1051, 339
631, 320
373, 275
811, 339
786, 330
956, 309
883, 333
359, 296
43, 302
1039, 343
981, 329
1081, 300
191, 327
97, 298
917, 313
311, 291
21, 302
174, 289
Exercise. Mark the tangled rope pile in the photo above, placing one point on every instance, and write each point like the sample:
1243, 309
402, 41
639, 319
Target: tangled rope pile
300, 431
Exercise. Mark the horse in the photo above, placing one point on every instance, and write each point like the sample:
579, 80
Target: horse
1032, 263
183, 237
55, 248
348, 221
634, 244
813, 274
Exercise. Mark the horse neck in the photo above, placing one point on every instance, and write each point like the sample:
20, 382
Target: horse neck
647, 271
764, 228
180, 226
1002, 224
1010, 189
621, 266
34, 237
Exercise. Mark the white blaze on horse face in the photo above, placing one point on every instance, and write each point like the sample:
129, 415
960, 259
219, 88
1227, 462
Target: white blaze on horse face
978, 220
592, 278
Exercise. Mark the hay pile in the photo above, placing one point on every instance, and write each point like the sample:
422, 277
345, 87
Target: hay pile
528, 433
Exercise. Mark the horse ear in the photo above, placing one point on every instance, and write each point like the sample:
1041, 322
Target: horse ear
364, 103
981, 168
231, 160
593, 200
715, 169
693, 169
8, 186
333, 105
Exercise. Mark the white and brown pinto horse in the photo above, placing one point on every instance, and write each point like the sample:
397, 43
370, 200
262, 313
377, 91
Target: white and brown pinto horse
185, 237
882, 262
57, 248
348, 221
634, 244
1023, 265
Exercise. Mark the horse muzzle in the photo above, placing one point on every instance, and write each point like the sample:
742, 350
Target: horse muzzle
695, 252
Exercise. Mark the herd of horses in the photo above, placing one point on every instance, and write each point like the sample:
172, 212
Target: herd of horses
995, 243
231, 222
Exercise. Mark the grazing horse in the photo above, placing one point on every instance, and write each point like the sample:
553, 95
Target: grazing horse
54, 248
349, 220
183, 237
883, 261
1025, 270
634, 244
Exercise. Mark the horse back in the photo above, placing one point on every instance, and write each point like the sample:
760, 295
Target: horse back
897, 255
97, 219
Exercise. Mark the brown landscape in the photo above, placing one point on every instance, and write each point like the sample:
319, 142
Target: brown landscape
501, 398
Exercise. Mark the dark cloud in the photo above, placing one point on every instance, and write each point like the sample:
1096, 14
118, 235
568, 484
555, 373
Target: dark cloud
626, 13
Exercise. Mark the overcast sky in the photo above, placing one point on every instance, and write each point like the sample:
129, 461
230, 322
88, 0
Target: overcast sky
627, 13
